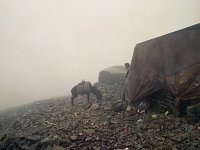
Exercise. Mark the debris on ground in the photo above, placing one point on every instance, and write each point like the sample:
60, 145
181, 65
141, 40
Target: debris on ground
54, 124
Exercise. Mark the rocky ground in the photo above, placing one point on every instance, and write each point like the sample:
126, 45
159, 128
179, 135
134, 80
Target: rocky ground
55, 125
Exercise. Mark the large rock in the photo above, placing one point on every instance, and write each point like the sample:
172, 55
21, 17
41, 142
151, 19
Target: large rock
112, 75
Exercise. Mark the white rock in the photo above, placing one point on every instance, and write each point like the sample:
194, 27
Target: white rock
167, 112
128, 108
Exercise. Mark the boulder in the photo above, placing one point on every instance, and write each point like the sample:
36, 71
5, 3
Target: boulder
112, 75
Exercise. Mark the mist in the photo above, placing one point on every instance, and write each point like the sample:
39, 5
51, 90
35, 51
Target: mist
49, 46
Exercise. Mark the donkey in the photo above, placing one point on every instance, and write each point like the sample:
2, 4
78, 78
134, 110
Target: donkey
84, 88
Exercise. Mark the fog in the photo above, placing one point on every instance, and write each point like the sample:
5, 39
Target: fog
47, 46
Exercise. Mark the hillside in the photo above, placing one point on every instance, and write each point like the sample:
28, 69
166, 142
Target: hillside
54, 124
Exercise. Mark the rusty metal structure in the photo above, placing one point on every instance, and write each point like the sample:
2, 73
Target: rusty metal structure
170, 62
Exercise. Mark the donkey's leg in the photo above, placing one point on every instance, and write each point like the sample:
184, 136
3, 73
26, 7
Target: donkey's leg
88, 97
72, 101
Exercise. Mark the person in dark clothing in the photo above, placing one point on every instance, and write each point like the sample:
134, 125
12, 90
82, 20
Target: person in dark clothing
127, 65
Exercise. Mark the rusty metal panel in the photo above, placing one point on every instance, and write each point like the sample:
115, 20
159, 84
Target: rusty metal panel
170, 62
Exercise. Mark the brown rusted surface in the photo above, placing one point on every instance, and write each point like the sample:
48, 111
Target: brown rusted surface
170, 62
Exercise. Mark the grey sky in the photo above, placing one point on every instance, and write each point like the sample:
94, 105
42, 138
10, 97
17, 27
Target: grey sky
47, 46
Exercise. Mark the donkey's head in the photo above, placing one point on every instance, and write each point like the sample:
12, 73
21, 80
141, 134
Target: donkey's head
97, 93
